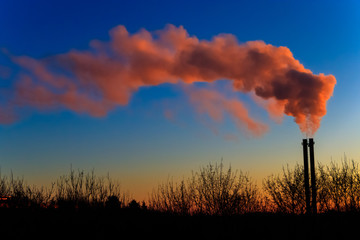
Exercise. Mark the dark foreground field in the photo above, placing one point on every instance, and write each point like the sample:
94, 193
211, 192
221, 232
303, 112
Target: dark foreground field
131, 223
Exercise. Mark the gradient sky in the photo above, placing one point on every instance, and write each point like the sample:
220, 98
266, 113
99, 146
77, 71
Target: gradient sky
141, 144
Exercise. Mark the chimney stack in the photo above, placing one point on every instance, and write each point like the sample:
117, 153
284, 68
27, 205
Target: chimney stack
310, 207
313, 177
306, 175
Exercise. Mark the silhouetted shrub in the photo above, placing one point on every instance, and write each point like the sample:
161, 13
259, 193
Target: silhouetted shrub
21, 195
113, 202
74, 190
87, 190
285, 193
338, 189
134, 205
211, 191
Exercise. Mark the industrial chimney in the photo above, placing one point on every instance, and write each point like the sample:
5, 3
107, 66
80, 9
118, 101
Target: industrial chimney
313, 176
306, 175
310, 208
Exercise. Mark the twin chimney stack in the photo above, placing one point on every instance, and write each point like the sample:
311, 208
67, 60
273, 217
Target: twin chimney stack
310, 204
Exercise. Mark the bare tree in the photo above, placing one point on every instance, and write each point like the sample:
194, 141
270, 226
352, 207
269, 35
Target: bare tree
80, 189
340, 186
210, 191
285, 192
76, 189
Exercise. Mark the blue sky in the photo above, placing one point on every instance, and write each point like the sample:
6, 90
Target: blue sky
137, 143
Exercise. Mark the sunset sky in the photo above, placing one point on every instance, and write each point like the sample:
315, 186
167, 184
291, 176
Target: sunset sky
167, 128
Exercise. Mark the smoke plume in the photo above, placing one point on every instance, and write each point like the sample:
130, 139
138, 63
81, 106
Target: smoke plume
108, 73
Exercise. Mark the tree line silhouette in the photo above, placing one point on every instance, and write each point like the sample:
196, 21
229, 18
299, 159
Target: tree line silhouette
212, 190
76, 189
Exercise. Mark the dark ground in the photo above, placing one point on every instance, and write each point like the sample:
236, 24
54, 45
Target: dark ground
130, 223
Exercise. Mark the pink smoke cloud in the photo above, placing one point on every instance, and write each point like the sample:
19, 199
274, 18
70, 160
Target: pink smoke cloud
105, 76
216, 105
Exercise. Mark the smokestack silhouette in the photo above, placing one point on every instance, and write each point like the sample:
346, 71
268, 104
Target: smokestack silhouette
313, 176
306, 175
310, 208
